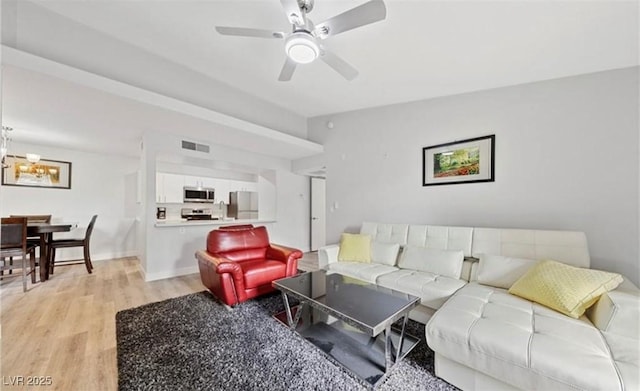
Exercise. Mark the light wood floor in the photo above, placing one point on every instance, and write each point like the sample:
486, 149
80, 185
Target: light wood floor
65, 328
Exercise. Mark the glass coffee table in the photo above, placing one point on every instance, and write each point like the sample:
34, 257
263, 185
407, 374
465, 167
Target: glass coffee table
350, 320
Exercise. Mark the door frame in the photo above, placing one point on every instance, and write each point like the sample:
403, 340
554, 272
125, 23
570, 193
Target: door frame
319, 206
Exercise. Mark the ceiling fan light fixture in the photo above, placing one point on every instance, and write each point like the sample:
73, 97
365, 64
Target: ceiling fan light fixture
302, 48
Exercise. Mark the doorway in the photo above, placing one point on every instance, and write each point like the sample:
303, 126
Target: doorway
318, 213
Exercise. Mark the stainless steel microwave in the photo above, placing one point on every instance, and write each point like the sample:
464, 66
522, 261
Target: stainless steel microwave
198, 194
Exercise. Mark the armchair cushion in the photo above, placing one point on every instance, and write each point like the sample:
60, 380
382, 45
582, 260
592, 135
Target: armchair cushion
261, 272
250, 242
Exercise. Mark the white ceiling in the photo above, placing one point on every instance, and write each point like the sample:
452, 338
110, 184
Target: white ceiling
423, 49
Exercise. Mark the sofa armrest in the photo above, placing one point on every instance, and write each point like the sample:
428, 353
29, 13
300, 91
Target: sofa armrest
618, 311
287, 255
327, 255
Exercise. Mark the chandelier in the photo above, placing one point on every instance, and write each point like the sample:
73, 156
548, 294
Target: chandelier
4, 142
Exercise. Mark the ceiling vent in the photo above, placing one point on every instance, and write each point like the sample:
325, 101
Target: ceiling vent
195, 146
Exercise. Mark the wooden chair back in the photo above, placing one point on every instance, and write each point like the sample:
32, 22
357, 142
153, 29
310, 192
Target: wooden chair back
87, 235
13, 233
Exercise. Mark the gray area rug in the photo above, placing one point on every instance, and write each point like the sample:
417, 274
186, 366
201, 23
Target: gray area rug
194, 343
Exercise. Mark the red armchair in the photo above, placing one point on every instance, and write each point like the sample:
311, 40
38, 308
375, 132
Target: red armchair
240, 264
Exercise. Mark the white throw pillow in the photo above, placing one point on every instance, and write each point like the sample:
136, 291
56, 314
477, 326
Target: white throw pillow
384, 253
442, 262
500, 271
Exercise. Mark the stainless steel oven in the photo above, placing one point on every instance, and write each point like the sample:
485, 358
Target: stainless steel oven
198, 194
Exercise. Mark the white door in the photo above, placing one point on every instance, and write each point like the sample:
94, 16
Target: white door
318, 218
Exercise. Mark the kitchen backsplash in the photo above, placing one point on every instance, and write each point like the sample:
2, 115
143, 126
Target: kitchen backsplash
174, 210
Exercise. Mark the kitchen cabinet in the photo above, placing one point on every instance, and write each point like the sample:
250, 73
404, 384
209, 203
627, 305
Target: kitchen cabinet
169, 187
194, 181
222, 190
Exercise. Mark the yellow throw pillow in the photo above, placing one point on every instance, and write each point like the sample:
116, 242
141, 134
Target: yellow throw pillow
567, 289
355, 248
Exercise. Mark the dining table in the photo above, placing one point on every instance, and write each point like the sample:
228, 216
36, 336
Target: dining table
45, 232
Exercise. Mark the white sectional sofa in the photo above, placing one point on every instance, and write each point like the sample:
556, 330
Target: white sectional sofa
487, 339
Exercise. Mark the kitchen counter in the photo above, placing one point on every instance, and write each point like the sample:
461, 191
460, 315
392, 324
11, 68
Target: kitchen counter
192, 223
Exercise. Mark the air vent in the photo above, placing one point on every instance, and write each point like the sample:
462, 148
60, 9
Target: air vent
195, 146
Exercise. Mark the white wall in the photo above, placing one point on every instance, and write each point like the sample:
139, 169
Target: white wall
566, 158
100, 184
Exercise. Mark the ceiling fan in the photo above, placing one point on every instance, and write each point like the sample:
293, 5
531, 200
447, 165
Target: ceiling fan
303, 44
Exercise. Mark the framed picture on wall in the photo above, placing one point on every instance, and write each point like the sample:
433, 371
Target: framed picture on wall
42, 173
464, 161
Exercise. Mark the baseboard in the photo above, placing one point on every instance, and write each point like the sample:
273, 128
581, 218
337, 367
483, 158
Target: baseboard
99, 256
168, 273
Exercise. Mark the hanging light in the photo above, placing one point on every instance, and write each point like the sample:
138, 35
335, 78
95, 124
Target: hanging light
4, 142
33, 158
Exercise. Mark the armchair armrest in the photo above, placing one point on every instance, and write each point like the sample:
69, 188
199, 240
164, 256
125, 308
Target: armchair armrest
287, 255
211, 265
205, 257
327, 255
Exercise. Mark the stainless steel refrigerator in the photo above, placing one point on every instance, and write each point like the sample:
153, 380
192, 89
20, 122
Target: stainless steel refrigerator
243, 205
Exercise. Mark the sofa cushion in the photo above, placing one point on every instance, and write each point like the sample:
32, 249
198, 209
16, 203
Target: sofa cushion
443, 262
384, 253
354, 248
386, 233
432, 289
364, 271
565, 246
502, 272
567, 289
441, 237
522, 343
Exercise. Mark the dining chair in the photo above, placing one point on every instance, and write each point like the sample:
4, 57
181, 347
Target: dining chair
33, 240
13, 243
82, 242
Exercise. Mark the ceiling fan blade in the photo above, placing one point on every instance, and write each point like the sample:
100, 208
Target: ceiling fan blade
294, 13
287, 70
369, 12
249, 32
339, 65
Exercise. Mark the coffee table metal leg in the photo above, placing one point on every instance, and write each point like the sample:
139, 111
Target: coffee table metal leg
390, 353
388, 347
292, 320
287, 309
296, 317
404, 326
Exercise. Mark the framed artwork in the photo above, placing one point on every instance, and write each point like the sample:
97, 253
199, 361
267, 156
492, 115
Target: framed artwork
465, 161
44, 173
